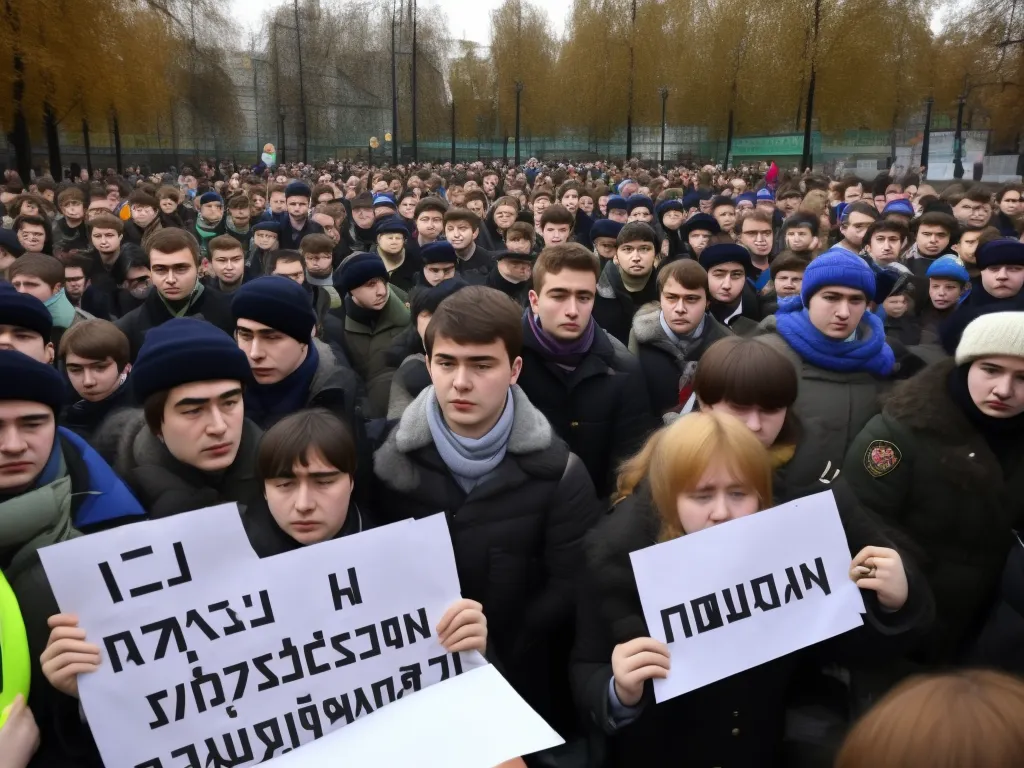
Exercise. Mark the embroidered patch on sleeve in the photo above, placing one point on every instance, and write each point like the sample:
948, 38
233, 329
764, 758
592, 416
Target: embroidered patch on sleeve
881, 458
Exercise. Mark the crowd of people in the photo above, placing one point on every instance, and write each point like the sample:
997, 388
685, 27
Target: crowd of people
571, 362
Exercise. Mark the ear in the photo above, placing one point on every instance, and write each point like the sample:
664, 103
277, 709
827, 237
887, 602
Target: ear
517, 368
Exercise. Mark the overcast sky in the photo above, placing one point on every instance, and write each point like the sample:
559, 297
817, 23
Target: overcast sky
467, 19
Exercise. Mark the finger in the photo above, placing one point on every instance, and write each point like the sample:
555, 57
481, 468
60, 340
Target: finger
454, 610
469, 644
66, 659
463, 619
62, 620
874, 584
72, 634
70, 646
871, 551
641, 644
74, 670
646, 659
648, 673
470, 630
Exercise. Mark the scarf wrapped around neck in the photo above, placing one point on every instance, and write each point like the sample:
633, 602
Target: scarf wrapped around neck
870, 354
470, 460
267, 403
61, 309
570, 353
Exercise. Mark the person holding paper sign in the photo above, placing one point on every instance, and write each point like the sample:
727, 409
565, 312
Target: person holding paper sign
704, 470
517, 501
944, 463
190, 446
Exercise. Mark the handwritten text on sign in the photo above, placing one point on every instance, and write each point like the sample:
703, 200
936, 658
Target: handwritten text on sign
740, 594
213, 657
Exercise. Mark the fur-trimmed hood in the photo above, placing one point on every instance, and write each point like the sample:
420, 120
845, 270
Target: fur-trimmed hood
647, 324
606, 285
531, 433
924, 403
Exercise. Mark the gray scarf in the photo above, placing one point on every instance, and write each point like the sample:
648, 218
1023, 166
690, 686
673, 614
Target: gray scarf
684, 343
470, 460
322, 281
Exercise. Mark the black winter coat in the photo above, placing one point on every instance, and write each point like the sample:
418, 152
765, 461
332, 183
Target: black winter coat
517, 538
84, 418
212, 306
667, 371
735, 722
1001, 643
614, 306
600, 408
162, 484
928, 472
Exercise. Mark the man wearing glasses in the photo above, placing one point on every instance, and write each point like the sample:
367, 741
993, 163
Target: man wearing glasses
754, 232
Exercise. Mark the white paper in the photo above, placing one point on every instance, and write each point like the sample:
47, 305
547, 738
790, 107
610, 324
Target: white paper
734, 554
402, 570
475, 720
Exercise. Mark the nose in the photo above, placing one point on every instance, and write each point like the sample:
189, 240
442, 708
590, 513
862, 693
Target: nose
304, 499
1003, 387
572, 309
256, 351
719, 509
462, 381
11, 442
88, 378
842, 310
217, 425
753, 421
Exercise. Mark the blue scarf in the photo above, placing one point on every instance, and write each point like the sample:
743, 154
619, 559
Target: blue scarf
266, 403
870, 354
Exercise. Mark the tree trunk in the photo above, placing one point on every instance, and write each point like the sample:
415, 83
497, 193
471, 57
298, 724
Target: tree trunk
52, 142
117, 144
88, 149
19, 135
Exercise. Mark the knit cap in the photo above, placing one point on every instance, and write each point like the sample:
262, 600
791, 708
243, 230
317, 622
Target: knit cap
837, 267
639, 201
24, 311
297, 189
993, 334
359, 269
185, 350
23, 378
605, 228
765, 195
276, 302
724, 253
439, 252
210, 197
949, 267
385, 201
616, 202
998, 253
900, 207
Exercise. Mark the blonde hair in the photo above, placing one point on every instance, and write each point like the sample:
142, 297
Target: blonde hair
968, 717
675, 458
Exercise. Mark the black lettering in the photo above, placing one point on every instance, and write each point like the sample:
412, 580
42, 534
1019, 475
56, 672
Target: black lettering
711, 618
214, 759
412, 628
135, 554
411, 675
741, 595
154, 763
179, 702
363, 706
192, 618
391, 630
351, 591
309, 649
235, 626
198, 681
371, 630
347, 656
154, 700
111, 583
167, 628
792, 587
191, 753
268, 611
293, 733
131, 650
378, 688
309, 716
184, 574
773, 593
666, 621
337, 708
269, 734
145, 589
443, 661
819, 577
242, 668
290, 651
457, 663
270, 679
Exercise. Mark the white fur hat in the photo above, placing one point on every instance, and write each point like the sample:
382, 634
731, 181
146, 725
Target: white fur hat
998, 333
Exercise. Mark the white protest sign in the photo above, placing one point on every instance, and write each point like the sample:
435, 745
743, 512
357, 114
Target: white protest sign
737, 595
475, 720
213, 657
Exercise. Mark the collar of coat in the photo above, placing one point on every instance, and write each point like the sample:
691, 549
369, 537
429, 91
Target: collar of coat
531, 432
923, 403
394, 315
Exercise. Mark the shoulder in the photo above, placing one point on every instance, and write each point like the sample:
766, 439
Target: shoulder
617, 354
114, 439
923, 401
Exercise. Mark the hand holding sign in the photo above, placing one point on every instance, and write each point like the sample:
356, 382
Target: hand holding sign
67, 654
463, 627
19, 736
636, 662
881, 570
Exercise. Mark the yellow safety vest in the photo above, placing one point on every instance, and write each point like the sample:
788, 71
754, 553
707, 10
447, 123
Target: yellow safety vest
15, 661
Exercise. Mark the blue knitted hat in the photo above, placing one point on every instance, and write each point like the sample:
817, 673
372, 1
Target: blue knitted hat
704, 222
441, 252
724, 253
391, 224
359, 269
837, 267
616, 202
210, 197
268, 225
605, 228
276, 302
384, 200
997, 253
949, 267
185, 350
23, 378
674, 204
691, 200
297, 189
9, 242
639, 201
900, 207
765, 195
24, 311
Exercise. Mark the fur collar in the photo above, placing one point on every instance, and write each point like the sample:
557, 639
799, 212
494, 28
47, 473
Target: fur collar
531, 432
647, 324
605, 286
923, 403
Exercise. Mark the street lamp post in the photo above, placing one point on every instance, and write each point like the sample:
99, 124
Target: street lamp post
519, 93
926, 139
280, 133
958, 149
394, 87
664, 100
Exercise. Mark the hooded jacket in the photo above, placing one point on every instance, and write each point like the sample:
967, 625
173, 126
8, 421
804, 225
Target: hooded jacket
667, 370
516, 537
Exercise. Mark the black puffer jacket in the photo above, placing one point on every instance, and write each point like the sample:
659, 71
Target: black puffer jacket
736, 722
517, 538
1001, 643
212, 306
162, 484
600, 408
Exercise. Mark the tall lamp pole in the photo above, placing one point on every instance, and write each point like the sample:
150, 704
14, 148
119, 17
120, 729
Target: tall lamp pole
664, 99
958, 148
926, 139
519, 93
394, 87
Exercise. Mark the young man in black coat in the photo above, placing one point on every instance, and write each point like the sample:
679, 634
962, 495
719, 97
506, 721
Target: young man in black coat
670, 337
629, 281
461, 229
580, 377
174, 259
734, 301
518, 502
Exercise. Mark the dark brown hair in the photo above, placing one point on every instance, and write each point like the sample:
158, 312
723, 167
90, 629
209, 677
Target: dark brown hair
238, 202
571, 256
316, 243
46, 268
303, 434
478, 315
753, 214
963, 718
168, 193
886, 225
747, 371
520, 230
96, 340
556, 214
462, 214
106, 221
70, 194
171, 239
688, 273
787, 261
224, 243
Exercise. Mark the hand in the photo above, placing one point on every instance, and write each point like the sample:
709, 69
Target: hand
67, 655
636, 662
881, 570
19, 737
463, 627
